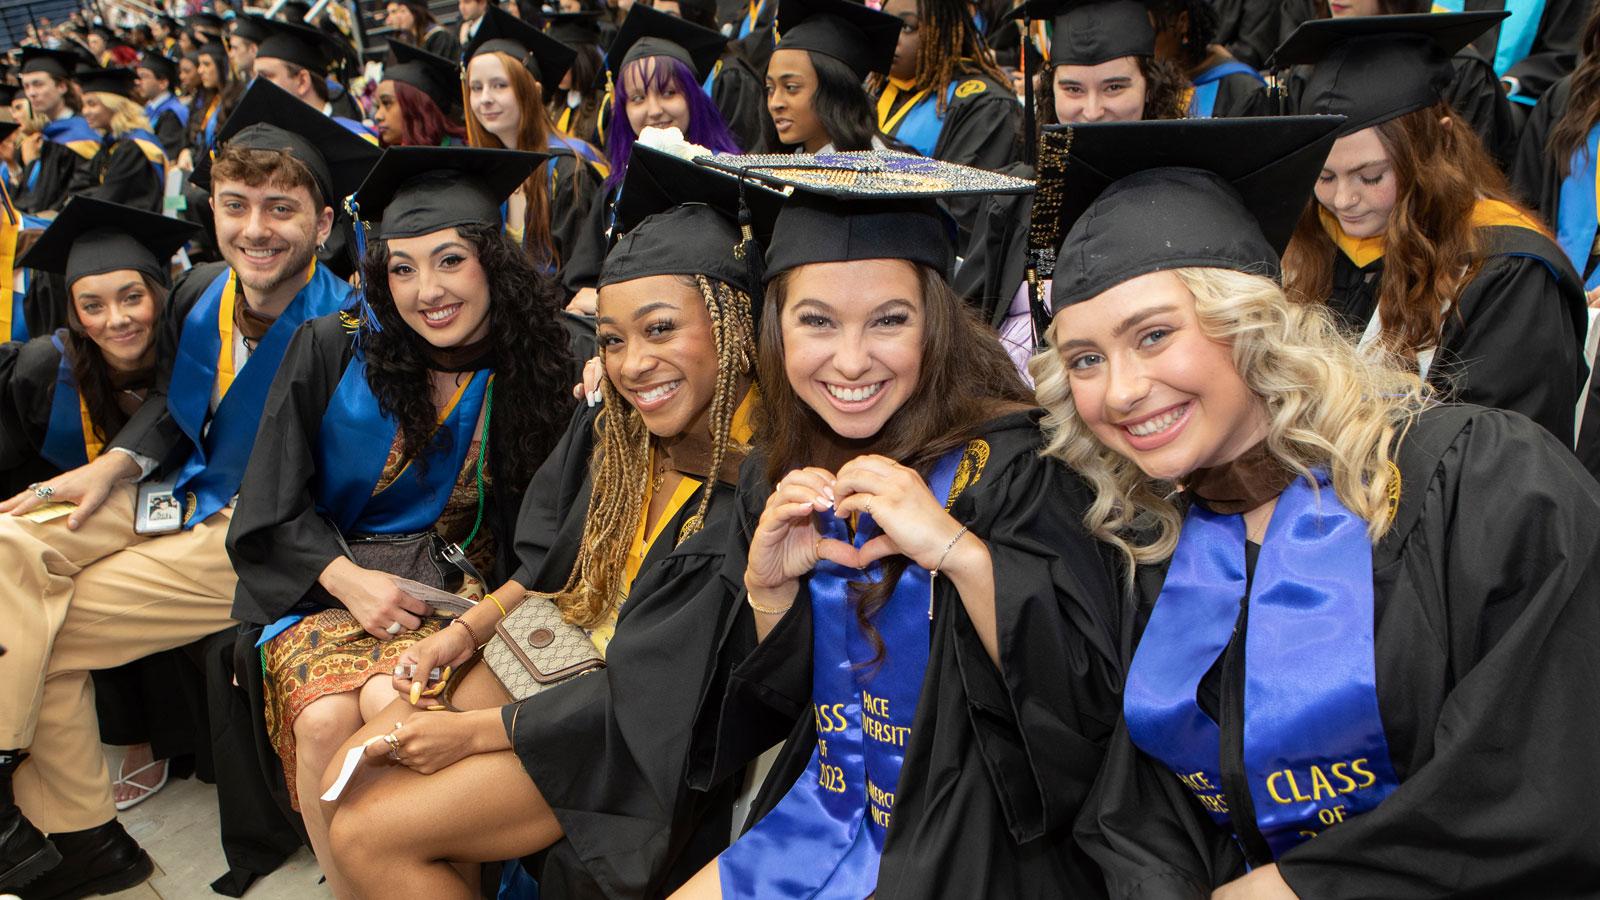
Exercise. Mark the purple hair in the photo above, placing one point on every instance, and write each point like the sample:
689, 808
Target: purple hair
706, 127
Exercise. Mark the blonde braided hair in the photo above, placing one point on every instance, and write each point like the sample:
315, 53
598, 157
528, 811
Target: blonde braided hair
619, 468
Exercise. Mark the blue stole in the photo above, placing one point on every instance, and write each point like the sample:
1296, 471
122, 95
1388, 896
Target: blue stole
19, 312
1204, 100
221, 449
356, 128
74, 133
826, 836
153, 111
210, 131
353, 445
63, 436
920, 128
1576, 213
1515, 38
1315, 752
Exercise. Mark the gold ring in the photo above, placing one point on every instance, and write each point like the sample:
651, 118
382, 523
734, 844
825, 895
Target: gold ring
394, 746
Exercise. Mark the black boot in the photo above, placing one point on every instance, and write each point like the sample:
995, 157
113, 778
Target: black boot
99, 860
25, 853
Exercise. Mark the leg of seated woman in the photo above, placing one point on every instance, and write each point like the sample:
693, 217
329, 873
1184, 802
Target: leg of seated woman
406, 829
318, 731
705, 885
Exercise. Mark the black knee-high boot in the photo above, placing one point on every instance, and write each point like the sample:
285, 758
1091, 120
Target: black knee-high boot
25, 853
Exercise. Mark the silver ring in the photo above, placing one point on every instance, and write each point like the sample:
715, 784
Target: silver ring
395, 628
43, 491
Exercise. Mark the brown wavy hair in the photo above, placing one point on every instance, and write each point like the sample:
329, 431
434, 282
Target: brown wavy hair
93, 374
1165, 90
966, 381
1432, 251
1583, 99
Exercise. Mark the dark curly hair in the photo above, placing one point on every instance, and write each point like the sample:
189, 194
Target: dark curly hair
533, 360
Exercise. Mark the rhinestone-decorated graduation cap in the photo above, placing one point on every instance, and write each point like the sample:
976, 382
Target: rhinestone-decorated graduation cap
162, 67
545, 57
867, 204
420, 190
1371, 69
299, 44
647, 32
116, 80
270, 118
433, 75
1090, 32
59, 63
1142, 197
680, 218
92, 237
860, 37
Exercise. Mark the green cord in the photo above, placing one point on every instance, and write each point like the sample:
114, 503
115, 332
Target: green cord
483, 451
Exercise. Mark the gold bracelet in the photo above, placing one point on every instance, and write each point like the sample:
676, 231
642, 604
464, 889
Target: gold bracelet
767, 610
497, 603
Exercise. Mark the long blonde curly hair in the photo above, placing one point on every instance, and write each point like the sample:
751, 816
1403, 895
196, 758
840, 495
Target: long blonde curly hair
126, 115
1327, 405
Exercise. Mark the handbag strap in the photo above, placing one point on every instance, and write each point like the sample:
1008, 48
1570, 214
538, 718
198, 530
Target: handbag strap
483, 451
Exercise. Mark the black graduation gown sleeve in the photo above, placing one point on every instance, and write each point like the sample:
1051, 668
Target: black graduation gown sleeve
740, 96
1555, 45
120, 173
981, 126
1475, 95
277, 540
171, 133
1483, 636
1248, 28
1535, 174
1240, 96
560, 485
582, 268
58, 167
442, 42
27, 389
999, 760
575, 187
992, 268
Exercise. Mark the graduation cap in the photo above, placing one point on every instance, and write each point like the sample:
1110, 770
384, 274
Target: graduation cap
679, 218
1090, 32
211, 22
435, 76
252, 28
1371, 69
1142, 197
58, 63
294, 11
647, 32
297, 44
160, 66
8, 93
118, 80
420, 190
865, 204
860, 37
270, 118
545, 57
8, 124
575, 28
92, 237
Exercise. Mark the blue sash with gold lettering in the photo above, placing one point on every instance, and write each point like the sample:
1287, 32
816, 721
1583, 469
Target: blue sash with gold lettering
1315, 752
222, 446
920, 128
1577, 218
825, 837
63, 436
1203, 102
353, 445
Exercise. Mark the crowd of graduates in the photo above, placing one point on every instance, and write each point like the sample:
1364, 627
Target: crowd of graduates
806, 448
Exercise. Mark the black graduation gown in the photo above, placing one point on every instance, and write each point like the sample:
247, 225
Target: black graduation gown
981, 126
1248, 28
590, 243
441, 41
172, 133
1517, 308
575, 189
632, 827
998, 763
120, 173
1535, 174
740, 94
58, 168
1487, 610
993, 266
27, 389
1555, 44
1240, 96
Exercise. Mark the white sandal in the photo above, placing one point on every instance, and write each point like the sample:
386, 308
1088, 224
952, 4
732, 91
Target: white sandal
145, 792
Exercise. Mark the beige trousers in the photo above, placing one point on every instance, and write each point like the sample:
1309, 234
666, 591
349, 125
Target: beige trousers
72, 602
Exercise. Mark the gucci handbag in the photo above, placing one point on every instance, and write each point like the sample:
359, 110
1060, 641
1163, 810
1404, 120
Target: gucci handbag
533, 648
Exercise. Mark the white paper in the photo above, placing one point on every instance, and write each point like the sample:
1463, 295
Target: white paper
351, 761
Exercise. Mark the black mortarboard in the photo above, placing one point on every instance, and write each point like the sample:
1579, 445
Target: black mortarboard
1090, 32
91, 237
545, 57
854, 34
8, 93
207, 22
1371, 69
270, 118
1142, 197
433, 75
160, 66
575, 28
8, 125
297, 43
294, 11
251, 28
647, 32
59, 63
679, 218
116, 80
420, 190
867, 204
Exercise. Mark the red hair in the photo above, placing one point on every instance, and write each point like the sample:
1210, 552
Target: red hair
426, 125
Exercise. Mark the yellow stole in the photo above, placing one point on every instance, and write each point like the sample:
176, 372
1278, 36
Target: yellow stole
890, 112
1365, 251
226, 369
10, 227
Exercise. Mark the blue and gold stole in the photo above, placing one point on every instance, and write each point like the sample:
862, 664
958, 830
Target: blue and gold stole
75, 134
69, 440
826, 836
1203, 92
150, 145
916, 121
169, 103
353, 446
205, 367
1315, 752
1515, 37
1578, 209
13, 321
